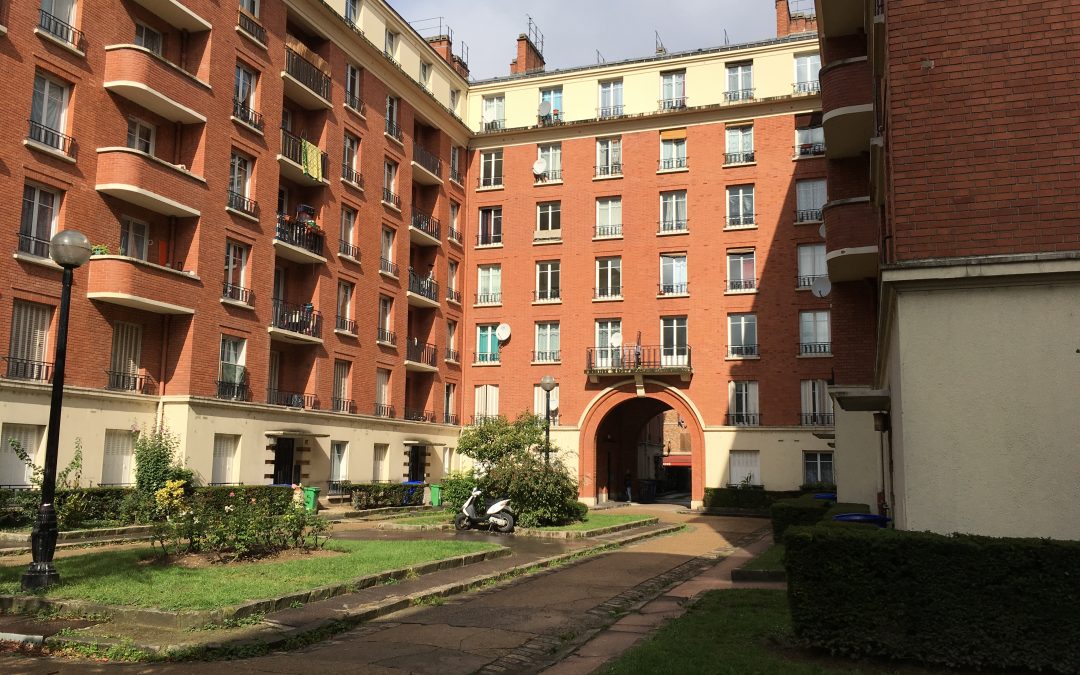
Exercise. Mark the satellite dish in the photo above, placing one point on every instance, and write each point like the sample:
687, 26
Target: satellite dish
615, 340
539, 167
821, 230
821, 287
503, 332
545, 108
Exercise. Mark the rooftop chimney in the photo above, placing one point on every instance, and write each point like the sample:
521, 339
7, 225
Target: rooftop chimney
795, 16
529, 58
443, 46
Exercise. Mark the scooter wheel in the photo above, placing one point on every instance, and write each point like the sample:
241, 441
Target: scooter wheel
461, 522
508, 525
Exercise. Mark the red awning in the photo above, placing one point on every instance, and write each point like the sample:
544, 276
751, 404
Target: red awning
677, 460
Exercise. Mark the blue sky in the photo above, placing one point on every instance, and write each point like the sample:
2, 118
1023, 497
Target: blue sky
619, 29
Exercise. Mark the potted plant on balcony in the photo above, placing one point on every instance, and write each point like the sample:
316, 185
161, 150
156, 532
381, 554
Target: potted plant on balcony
99, 249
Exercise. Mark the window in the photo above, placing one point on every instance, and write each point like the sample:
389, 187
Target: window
608, 278
740, 82
673, 90
743, 404
744, 467
494, 112
48, 112
742, 335
386, 252
449, 414
425, 75
392, 105
390, 45
673, 149
741, 271
491, 168
490, 226
455, 232
250, 6
382, 392
673, 211
608, 352
380, 469
818, 467
347, 232
489, 285
817, 406
148, 38
345, 291
448, 453
611, 101
609, 157
40, 207
810, 141
814, 332
740, 144
117, 464
386, 319
806, 73
673, 345
673, 274
352, 10
29, 337
126, 357
486, 402
350, 157
60, 9
236, 257
223, 471
548, 281
451, 274
609, 217
455, 96
339, 461
810, 197
342, 391
487, 345
740, 206
12, 469
541, 404
140, 136
551, 155
811, 264
354, 87
548, 220
553, 97
244, 96
451, 339
390, 170
133, 239
232, 376
547, 343
240, 174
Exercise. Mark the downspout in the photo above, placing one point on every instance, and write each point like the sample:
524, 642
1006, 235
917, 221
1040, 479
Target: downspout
166, 322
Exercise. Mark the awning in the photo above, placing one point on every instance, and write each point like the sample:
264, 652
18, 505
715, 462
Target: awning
295, 433
673, 134
432, 443
677, 460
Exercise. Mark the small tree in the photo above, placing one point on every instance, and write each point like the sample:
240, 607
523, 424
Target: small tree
157, 460
496, 440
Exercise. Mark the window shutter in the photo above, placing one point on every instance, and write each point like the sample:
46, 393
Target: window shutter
752, 398
673, 134
12, 469
743, 463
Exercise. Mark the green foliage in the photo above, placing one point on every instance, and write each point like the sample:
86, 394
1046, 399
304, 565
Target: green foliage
495, 440
379, 495
803, 510
817, 487
456, 487
960, 600
157, 460
539, 495
743, 498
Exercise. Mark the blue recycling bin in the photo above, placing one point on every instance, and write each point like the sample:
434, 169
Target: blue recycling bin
867, 518
828, 496
413, 485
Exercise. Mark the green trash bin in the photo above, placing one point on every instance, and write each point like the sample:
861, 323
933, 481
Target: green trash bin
311, 499
436, 494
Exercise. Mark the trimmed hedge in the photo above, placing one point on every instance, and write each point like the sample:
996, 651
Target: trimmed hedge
959, 601
217, 496
744, 498
377, 495
804, 510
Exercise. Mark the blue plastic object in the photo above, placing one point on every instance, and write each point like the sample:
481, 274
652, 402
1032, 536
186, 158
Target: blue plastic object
413, 484
831, 496
868, 518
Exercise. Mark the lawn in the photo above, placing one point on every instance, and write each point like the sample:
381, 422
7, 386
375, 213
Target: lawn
737, 632
118, 578
595, 521
770, 560
440, 518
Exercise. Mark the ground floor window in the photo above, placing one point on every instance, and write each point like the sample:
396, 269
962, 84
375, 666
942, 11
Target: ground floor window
818, 467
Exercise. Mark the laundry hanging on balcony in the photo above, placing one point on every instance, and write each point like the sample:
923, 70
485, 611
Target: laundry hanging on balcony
312, 159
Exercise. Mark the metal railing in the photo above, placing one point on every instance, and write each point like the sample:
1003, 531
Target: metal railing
553, 117
307, 73
233, 391
550, 176
39, 133
637, 357
811, 87
613, 230
487, 357
456, 176
810, 149
488, 298
677, 103
478, 420
609, 111
60, 29
492, 181
453, 295
384, 410
489, 239
245, 114
386, 337
816, 419
299, 234
293, 148
345, 405
394, 131
742, 350
421, 352
239, 202
607, 292
744, 419
345, 248
673, 226
427, 224
453, 235
237, 293
739, 157
292, 399
301, 319
427, 160
251, 27
450, 418
389, 197
741, 284
355, 102
807, 215
494, 125
739, 95
423, 286
346, 324
34, 246
337, 488
351, 175
548, 295
671, 163
807, 280
815, 347
614, 169
744, 220
28, 369
674, 289
419, 415
387, 267
546, 356
453, 355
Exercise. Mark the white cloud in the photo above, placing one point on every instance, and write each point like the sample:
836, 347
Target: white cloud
575, 29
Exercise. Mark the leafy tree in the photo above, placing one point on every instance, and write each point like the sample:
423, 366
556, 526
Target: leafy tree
495, 440
157, 461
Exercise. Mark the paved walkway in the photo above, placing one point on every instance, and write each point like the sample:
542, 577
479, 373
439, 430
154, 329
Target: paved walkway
569, 614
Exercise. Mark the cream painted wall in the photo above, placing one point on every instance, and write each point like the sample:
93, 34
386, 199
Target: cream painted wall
857, 461
780, 454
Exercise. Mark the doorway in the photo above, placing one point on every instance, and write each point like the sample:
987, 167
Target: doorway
286, 470
417, 463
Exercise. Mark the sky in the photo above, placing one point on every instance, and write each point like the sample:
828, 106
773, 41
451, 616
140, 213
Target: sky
575, 29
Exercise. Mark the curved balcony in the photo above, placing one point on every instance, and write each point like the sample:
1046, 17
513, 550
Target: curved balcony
146, 181
851, 239
143, 77
134, 283
847, 106
176, 14
840, 17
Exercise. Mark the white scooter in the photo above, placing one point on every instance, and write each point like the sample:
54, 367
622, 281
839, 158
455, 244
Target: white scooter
494, 515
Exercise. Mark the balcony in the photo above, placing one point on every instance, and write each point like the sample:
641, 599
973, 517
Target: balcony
481, 299
816, 419
548, 295
355, 103
739, 96
487, 358
244, 296
671, 227
491, 126
292, 399
453, 234
672, 164
608, 293
302, 161
851, 239
608, 171
343, 405
384, 410
743, 419
549, 176
427, 168
27, 369
389, 198
299, 241
347, 250
424, 229
732, 158
452, 355
607, 112
681, 288
298, 324
806, 88
419, 415
352, 176
148, 80
232, 383
741, 285
395, 132
815, 349
245, 114
60, 31
489, 182
388, 268
553, 117
677, 103
453, 295
386, 337
247, 24
305, 82
637, 360
144, 180
176, 14
450, 418
742, 351
345, 325
546, 357
455, 175
841, 17
421, 356
847, 107
132, 382
807, 280
241, 204
613, 231
130, 282
52, 140
423, 291
741, 222
808, 215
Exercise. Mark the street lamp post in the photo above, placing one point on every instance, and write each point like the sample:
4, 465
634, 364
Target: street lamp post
547, 383
69, 249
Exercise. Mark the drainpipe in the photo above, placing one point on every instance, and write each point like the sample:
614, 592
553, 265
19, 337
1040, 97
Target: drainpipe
166, 324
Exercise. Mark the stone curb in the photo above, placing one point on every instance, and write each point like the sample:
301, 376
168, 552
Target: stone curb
76, 535
534, 532
758, 575
77, 544
381, 513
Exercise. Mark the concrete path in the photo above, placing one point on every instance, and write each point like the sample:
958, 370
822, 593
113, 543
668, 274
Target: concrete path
582, 611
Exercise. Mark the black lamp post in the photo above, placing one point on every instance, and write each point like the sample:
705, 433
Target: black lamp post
547, 383
69, 249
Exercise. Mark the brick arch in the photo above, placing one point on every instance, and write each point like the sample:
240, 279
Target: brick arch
607, 401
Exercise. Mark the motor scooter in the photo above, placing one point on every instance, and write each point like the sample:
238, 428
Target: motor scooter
493, 515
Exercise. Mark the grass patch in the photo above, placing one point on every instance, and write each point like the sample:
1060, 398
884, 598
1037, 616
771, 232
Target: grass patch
117, 578
441, 518
770, 560
738, 632
595, 521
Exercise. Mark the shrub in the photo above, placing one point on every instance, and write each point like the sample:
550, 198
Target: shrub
379, 495
803, 510
740, 498
960, 600
539, 495
497, 439
157, 461
278, 497
456, 487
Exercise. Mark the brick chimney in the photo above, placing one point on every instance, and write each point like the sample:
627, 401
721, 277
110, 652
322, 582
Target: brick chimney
528, 59
444, 47
795, 16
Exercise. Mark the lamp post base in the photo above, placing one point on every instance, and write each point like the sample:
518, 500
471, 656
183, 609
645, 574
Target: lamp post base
41, 573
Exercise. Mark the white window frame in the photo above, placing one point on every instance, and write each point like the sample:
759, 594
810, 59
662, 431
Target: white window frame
392, 107
549, 220
811, 260
141, 132
738, 215
31, 324
672, 154
673, 90
739, 144
485, 342
674, 206
737, 280
345, 293
673, 274
740, 81
351, 11
610, 98
816, 458
30, 223
743, 338
491, 168
43, 99
236, 260
815, 332
489, 284
493, 112
608, 217
131, 229
674, 341
350, 152
390, 44
339, 461
817, 405
546, 342
118, 457
485, 401
810, 196
548, 281
540, 403
609, 156
743, 403
390, 175
354, 79
490, 233
240, 170
609, 277
342, 391
606, 355
551, 153
807, 67
226, 449
347, 231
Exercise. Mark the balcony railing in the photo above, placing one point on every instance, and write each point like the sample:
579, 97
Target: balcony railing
553, 117
237, 293
33, 246
741, 284
296, 149
811, 87
389, 197
607, 293
234, 388
810, 149
673, 226
345, 248
345, 405
394, 131
345, 324
744, 220
640, 358
453, 235
427, 224
292, 399
384, 410
39, 133
742, 350
739, 157
419, 415
453, 295
355, 102
424, 286
427, 160
387, 267
351, 175
421, 352
251, 27
478, 420
245, 114
453, 355
546, 356
674, 289
488, 298
547, 295
302, 319
677, 103
609, 170
744, 419
817, 419
815, 347
27, 369
550, 176
739, 95
239, 202
671, 163
487, 357
298, 233
609, 111
494, 125
307, 73
60, 30
387, 337
450, 418
613, 230
806, 280
491, 181
456, 176
489, 239
807, 215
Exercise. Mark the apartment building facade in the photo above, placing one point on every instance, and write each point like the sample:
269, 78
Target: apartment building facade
952, 249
